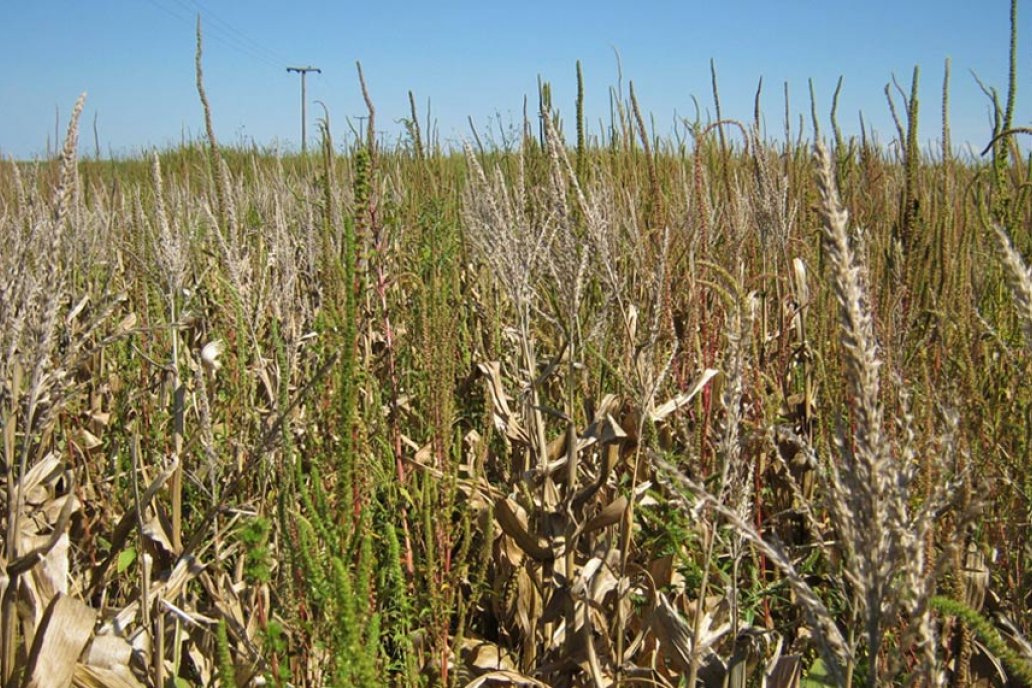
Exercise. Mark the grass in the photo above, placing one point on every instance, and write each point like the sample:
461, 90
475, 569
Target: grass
622, 411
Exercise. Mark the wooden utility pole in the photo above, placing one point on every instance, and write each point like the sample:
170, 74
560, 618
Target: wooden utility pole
303, 71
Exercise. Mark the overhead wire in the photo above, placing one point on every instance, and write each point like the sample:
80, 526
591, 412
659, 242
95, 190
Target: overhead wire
216, 32
230, 28
229, 35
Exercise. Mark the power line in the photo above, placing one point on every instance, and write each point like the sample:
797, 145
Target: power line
214, 33
229, 35
257, 45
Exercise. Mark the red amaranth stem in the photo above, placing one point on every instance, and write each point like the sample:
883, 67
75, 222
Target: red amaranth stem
444, 547
382, 282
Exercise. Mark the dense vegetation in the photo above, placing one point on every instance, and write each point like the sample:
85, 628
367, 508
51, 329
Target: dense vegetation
621, 410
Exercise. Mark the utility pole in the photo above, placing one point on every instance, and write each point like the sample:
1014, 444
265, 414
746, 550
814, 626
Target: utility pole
303, 71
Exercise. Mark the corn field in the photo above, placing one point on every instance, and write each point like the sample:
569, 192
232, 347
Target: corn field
600, 409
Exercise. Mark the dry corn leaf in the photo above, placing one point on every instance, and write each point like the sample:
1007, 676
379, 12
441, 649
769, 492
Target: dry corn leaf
46, 573
606, 580
50, 513
157, 529
663, 572
515, 523
609, 405
50, 575
481, 656
107, 652
605, 430
504, 419
185, 570
555, 610
557, 447
472, 439
610, 514
200, 653
785, 672
528, 603
88, 440
673, 632
60, 638
87, 676
665, 409
37, 485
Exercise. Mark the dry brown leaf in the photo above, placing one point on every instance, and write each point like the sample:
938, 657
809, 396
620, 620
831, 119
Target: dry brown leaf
202, 656
528, 601
557, 447
481, 656
107, 652
611, 513
185, 570
515, 523
786, 672
87, 676
663, 410
49, 577
605, 430
665, 574
156, 531
605, 580
60, 638
88, 440
555, 610
49, 513
504, 419
37, 485
673, 632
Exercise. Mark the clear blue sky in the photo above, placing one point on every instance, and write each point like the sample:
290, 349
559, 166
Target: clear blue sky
479, 59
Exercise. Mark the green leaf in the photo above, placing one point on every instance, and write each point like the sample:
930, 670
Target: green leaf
818, 676
126, 558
